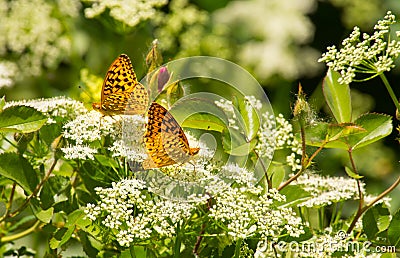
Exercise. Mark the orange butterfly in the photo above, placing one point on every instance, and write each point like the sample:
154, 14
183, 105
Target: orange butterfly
121, 92
165, 141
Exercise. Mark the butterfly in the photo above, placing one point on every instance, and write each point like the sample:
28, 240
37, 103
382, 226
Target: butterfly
121, 92
165, 141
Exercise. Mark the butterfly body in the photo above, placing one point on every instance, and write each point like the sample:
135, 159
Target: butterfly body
165, 141
121, 92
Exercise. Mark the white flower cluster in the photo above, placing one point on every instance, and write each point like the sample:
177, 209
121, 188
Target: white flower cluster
373, 55
128, 12
246, 212
136, 214
31, 31
86, 131
57, 107
229, 109
282, 28
8, 70
277, 133
128, 208
327, 190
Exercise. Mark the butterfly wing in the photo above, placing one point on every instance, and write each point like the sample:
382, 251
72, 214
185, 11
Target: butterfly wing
165, 141
120, 77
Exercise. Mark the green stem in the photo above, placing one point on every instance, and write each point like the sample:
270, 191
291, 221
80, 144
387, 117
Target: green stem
35, 191
237, 248
390, 90
21, 234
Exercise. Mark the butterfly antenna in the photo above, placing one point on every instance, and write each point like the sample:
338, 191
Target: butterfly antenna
84, 91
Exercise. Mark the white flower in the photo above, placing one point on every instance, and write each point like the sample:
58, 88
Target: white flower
31, 31
8, 70
57, 107
79, 152
128, 12
373, 54
281, 27
327, 190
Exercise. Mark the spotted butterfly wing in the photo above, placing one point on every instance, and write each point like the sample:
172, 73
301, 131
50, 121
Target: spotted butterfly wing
121, 92
165, 141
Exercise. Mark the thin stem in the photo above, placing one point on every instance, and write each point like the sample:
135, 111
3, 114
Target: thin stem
202, 231
360, 194
369, 205
383, 194
390, 90
269, 183
21, 234
303, 167
37, 189
9, 204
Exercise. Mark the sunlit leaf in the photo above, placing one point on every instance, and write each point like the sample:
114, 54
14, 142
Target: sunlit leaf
351, 173
21, 119
337, 96
249, 116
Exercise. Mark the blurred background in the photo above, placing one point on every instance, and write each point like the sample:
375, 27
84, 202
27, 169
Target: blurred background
50, 48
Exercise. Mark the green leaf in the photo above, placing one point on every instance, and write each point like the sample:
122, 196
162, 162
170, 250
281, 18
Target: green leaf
21, 119
278, 174
106, 161
367, 129
375, 220
249, 116
78, 219
18, 169
294, 195
45, 215
377, 126
394, 230
235, 143
208, 114
351, 173
174, 92
52, 191
61, 237
204, 121
337, 96
87, 246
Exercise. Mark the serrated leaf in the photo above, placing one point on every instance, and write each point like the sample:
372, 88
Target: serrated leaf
394, 230
377, 126
337, 96
18, 169
21, 119
365, 130
351, 173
